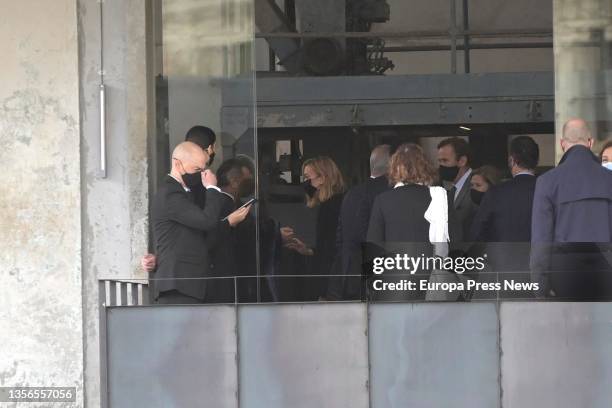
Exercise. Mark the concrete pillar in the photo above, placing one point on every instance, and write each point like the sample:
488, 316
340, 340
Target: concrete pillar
41, 325
579, 50
115, 208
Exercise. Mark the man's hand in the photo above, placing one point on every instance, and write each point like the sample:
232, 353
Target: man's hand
238, 216
299, 246
148, 262
286, 234
209, 178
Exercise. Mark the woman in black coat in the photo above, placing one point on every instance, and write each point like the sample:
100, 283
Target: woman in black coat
410, 219
325, 188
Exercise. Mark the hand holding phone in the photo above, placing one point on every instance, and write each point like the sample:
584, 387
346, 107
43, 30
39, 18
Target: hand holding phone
240, 214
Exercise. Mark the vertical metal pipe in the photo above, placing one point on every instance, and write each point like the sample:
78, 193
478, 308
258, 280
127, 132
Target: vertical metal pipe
102, 91
102, 131
453, 34
466, 37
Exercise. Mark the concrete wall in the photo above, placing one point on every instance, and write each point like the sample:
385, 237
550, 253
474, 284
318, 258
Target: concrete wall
41, 329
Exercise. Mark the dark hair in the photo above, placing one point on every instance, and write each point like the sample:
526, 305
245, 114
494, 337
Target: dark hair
247, 162
460, 146
201, 135
525, 152
604, 148
229, 169
409, 165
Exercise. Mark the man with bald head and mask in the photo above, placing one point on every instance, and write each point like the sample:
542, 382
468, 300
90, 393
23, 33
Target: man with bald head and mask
180, 227
572, 222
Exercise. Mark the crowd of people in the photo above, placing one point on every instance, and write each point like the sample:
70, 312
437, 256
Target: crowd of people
554, 228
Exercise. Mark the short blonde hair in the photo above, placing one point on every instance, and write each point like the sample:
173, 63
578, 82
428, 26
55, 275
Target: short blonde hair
333, 182
409, 165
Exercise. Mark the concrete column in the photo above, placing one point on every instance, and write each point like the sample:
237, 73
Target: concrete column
579, 27
115, 208
41, 325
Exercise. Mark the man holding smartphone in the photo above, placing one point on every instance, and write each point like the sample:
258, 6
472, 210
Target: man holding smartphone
181, 227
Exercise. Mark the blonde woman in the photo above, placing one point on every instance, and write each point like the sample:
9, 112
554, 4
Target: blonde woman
483, 178
324, 188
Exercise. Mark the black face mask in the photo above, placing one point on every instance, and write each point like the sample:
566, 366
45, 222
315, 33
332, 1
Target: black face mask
246, 187
309, 189
193, 180
448, 173
211, 158
476, 196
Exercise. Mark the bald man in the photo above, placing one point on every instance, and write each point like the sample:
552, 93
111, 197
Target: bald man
572, 210
180, 227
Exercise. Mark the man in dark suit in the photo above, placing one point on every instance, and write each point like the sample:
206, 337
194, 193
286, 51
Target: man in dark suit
353, 227
503, 221
454, 159
180, 226
205, 138
504, 214
572, 222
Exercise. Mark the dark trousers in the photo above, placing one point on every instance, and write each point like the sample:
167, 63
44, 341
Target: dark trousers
174, 297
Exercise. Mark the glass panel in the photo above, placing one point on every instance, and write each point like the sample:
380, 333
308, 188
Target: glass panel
336, 79
205, 79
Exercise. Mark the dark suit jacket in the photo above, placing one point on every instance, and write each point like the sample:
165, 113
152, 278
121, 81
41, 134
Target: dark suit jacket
502, 227
465, 210
221, 241
572, 207
221, 244
350, 236
180, 228
504, 214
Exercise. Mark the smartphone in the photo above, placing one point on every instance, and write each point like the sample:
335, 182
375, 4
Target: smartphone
251, 201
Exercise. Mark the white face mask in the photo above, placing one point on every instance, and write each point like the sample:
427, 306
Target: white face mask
607, 165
